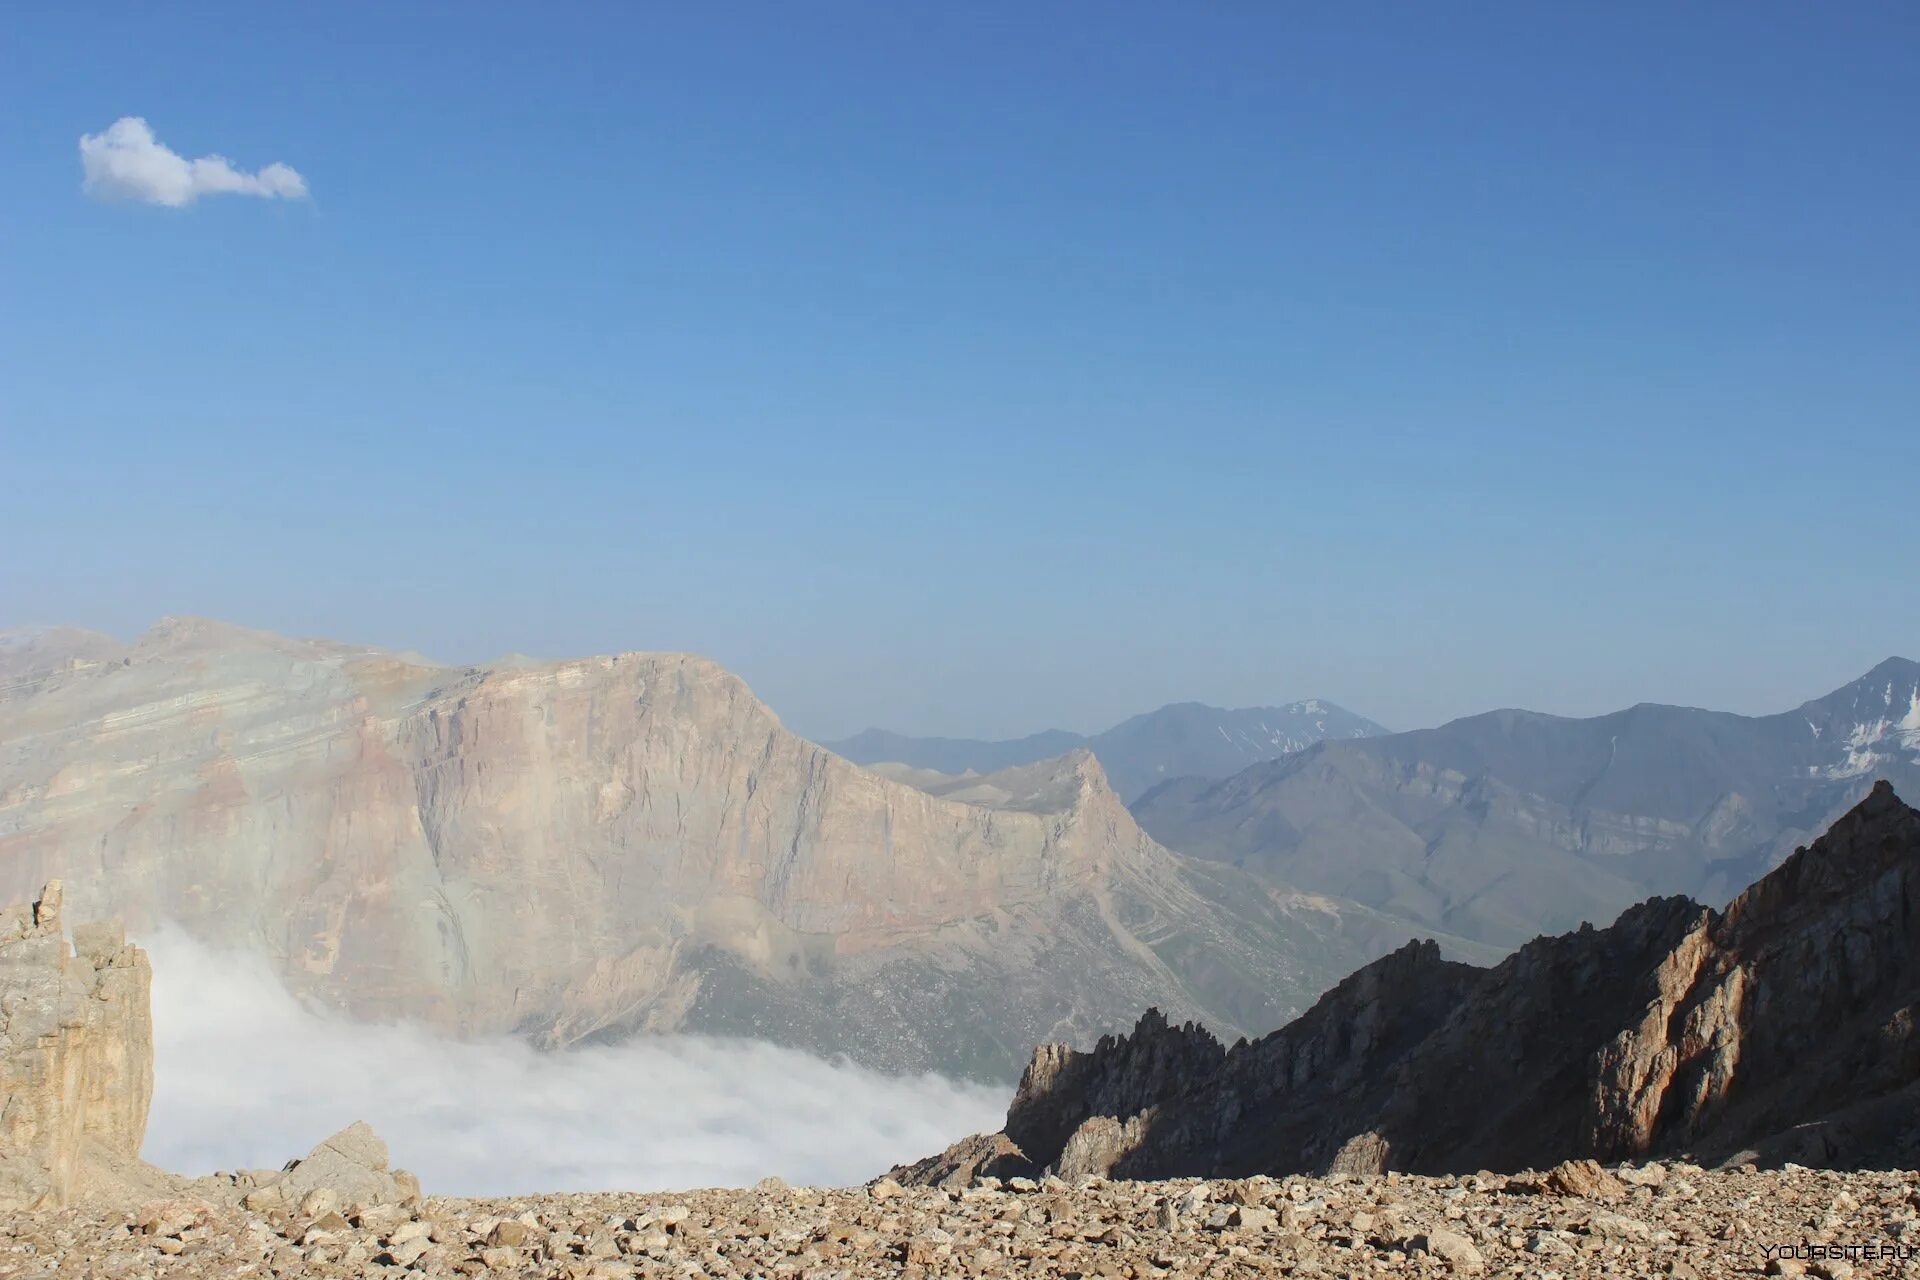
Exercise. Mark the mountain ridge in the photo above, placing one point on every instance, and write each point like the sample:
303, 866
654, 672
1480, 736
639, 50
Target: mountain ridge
1178, 739
1497, 825
1780, 1029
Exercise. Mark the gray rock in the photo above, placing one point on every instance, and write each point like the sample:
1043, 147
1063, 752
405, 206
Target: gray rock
351, 1167
1459, 1253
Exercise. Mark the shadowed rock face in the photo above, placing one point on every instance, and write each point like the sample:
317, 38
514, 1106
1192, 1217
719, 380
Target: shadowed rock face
76, 1055
589, 848
1781, 1027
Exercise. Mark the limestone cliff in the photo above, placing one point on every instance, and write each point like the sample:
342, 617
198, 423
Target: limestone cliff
76, 1056
1781, 1028
588, 848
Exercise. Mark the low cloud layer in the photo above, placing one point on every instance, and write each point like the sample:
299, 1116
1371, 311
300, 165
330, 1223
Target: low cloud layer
126, 162
246, 1077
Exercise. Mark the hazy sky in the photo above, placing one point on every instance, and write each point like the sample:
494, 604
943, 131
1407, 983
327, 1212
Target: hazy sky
978, 368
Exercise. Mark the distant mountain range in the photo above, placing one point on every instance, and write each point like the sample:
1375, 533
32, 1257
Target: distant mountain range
1501, 826
585, 849
1183, 739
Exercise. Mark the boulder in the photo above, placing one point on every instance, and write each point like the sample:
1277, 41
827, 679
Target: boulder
350, 1168
993, 1154
1459, 1253
1583, 1178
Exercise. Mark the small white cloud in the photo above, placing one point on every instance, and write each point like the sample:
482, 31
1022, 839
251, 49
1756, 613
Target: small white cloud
126, 162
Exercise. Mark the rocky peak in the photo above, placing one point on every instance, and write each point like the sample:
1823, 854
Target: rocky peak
1122, 1076
1875, 838
76, 1055
1870, 725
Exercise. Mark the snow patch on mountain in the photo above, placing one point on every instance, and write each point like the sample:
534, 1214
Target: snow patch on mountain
1874, 742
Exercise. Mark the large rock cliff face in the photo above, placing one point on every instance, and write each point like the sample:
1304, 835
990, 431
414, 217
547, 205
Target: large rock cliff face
76, 1056
1782, 1027
588, 848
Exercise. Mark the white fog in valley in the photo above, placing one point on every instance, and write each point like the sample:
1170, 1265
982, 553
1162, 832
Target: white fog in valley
248, 1077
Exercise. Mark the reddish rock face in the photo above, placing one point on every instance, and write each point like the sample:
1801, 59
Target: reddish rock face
588, 848
1781, 1029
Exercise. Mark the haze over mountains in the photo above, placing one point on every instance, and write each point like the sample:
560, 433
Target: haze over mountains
579, 850
1513, 823
1179, 740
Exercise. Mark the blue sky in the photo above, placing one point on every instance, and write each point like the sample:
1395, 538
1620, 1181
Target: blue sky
974, 369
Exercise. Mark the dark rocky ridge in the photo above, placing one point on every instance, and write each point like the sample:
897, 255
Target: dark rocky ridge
1779, 1029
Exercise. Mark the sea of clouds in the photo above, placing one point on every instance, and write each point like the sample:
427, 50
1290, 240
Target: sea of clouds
247, 1077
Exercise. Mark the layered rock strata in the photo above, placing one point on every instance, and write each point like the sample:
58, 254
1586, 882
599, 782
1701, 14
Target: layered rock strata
585, 849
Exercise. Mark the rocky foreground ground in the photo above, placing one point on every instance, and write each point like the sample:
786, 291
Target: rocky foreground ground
1576, 1221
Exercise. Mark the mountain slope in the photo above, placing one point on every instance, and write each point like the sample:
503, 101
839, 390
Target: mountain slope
1781, 1028
1179, 740
1502, 825
589, 848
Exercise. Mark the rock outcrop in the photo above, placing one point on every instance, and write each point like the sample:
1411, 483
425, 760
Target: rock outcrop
76, 1057
1780, 1029
347, 1171
580, 850
76, 1080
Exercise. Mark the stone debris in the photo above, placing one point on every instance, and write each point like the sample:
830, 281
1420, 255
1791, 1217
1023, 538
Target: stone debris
1680, 1221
